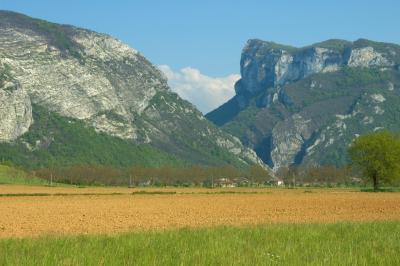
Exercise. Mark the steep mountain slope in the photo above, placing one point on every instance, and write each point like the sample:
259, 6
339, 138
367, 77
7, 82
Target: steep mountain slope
83, 82
305, 105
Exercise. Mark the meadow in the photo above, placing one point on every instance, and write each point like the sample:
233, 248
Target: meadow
370, 243
11, 175
77, 225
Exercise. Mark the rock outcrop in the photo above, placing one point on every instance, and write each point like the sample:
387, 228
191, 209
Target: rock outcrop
287, 97
266, 65
15, 108
93, 77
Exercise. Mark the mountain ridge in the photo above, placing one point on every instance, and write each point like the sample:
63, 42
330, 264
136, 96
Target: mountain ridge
288, 96
78, 74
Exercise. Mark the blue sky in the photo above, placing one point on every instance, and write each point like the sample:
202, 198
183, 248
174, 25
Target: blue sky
208, 35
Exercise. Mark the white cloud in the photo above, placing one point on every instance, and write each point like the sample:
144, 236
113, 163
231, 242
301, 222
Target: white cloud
206, 93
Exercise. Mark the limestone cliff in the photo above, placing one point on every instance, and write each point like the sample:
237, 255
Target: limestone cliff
289, 98
15, 107
95, 78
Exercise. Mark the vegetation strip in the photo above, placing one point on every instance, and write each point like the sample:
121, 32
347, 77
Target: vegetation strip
58, 194
142, 192
132, 193
280, 244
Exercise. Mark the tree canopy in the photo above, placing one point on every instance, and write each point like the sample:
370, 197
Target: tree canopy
377, 155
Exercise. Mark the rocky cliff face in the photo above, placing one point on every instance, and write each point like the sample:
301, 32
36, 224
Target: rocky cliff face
97, 79
288, 96
267, 65
15, 107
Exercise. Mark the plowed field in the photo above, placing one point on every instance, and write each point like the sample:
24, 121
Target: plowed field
22, 216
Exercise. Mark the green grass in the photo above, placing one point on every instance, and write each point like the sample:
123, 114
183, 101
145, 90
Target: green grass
58, 194
9, 175
384, 189
313, 244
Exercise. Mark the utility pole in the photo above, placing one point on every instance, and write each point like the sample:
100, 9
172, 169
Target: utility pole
294, 181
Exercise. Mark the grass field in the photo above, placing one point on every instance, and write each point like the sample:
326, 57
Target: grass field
41, 225
375, 243
10, 175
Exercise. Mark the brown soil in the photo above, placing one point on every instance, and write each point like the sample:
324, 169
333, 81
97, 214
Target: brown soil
42, 215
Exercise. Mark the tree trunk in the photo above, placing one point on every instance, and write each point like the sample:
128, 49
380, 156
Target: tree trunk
375, 180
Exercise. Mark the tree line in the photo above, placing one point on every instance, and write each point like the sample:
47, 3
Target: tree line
200, 176
319, 176
375, 158
163, 176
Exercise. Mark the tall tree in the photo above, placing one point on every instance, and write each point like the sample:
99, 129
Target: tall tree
378, 156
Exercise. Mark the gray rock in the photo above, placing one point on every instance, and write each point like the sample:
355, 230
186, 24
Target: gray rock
265, 65
96, 78
298, 101
15, 113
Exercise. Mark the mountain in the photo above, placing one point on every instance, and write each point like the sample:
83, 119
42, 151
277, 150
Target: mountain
304, 106
73, 96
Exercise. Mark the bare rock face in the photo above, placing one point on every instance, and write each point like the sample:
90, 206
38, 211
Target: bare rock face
288, 138
102, 75
368, 57
289, 100
15, 110
96, 78
265, 65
